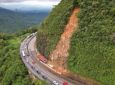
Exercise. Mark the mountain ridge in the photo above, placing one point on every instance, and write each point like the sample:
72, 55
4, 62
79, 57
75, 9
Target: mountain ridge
12, 21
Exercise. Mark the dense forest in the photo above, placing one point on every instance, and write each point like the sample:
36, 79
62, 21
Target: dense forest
12, 21
12, 69
51, 29
93, 44
92, 52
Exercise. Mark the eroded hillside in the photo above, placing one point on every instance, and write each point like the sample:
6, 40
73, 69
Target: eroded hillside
92, 48
51, 29
60, 54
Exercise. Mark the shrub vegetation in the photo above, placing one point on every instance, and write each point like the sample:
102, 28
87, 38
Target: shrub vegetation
52, 28
92, 52
12, 69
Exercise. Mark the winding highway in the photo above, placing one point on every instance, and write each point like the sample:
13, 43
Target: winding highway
39, 69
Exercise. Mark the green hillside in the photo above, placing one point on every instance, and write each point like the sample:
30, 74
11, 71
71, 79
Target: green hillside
51, 29
11, 21
12, 69
92, 46
92, 52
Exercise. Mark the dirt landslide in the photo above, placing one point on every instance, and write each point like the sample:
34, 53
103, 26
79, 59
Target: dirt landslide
60, 54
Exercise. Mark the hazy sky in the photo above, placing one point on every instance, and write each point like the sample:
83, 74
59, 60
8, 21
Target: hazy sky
30, 2
12, 4
1, 1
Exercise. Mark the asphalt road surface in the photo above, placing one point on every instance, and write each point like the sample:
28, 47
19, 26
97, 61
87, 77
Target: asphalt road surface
37, 68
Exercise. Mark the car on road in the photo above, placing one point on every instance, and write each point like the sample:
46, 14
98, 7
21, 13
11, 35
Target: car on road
33, 62
44, 77
55, 83
23, 54
27, 60
38, 72
65, 83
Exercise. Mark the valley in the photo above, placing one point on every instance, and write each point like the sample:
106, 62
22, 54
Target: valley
12, 21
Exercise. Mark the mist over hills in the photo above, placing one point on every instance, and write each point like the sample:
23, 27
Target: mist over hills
25, 8
13, 21
29, 5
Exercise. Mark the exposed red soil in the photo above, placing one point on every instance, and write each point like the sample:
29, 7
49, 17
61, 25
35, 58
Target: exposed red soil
60, 54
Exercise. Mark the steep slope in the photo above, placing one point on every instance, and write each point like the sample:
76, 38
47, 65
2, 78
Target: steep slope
93, 44
60, 54
11, 21
51, 29
92, 52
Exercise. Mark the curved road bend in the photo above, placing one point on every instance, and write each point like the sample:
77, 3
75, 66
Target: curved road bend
36, 67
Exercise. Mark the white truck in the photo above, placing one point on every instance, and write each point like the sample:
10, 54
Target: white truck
23, 54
